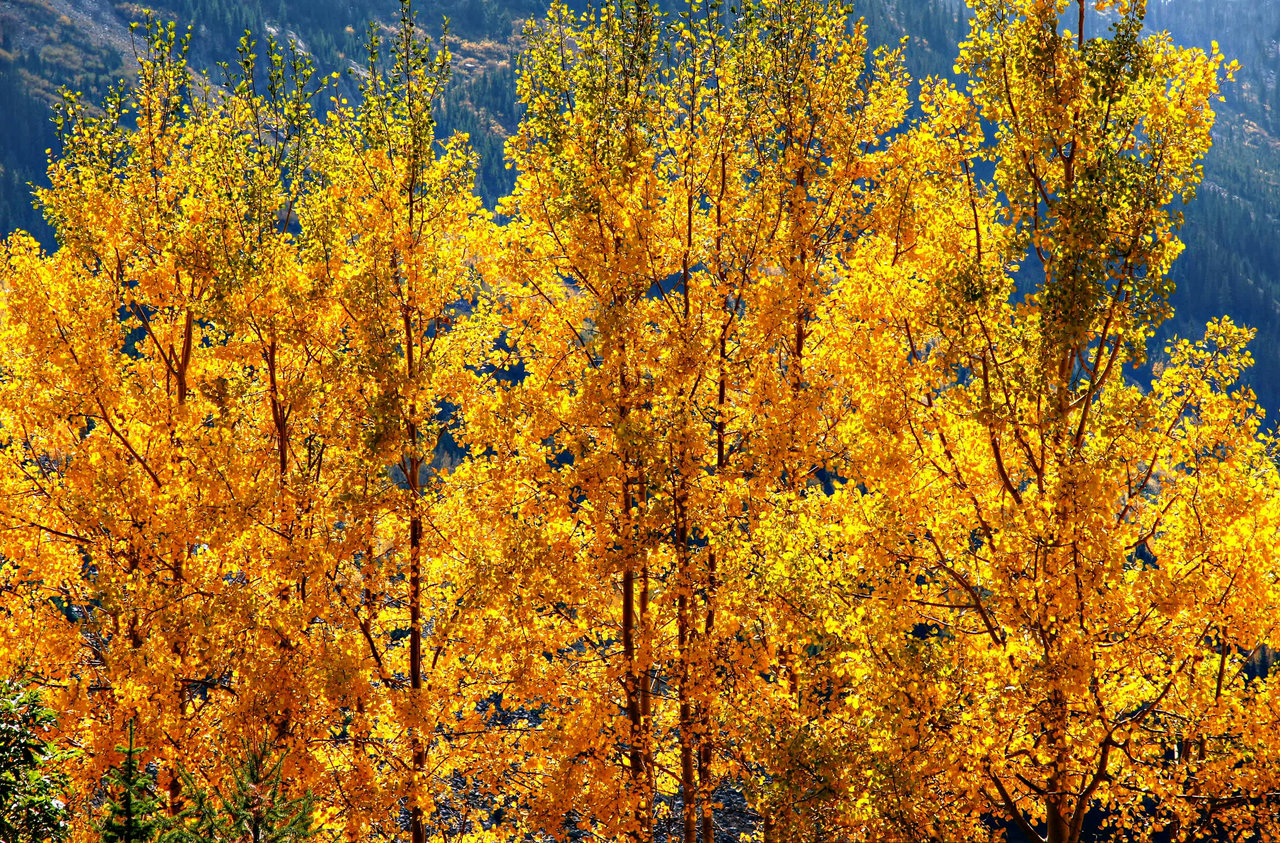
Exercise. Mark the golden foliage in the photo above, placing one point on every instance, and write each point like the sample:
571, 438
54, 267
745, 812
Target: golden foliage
730, 458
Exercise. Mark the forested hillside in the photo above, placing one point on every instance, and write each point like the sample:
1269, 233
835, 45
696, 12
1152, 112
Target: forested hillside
86, 45
1231, 264
1232, 261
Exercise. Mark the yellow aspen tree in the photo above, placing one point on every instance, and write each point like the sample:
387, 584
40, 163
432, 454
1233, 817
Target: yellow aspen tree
136, 586
608, 434
688, 192
220, 390
823, 148
390, 235
578, 432
1088, 563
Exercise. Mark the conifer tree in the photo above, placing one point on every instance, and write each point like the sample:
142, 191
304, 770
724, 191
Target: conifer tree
253, 806
259, 810
133, 806
31, 803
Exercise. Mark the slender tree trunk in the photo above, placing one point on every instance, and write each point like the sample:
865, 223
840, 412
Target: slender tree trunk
635, 683
704, 749
417, 830
278, 416
1056, 814
706, 786
636, 686
684, 575
413, 468
646, 704
182, 362
688, 785
632, 688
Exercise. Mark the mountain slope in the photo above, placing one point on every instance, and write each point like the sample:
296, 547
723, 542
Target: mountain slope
1231, 265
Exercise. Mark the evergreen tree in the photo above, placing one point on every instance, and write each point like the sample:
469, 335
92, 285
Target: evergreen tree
133, 806
257, 809
199, 820
31, 804
254, 807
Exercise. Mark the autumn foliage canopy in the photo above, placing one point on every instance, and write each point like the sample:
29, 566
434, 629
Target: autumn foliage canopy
786, 434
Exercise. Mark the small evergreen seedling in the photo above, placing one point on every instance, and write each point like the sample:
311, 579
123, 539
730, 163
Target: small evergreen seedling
251, 808
133, 806
257, 808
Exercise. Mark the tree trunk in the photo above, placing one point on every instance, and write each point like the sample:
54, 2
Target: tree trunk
631, 685
417, 830
707, 787
646, 706
636, 684
688, 785
1059, 829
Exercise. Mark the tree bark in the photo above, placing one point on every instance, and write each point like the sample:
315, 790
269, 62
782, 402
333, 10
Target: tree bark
631, 686
417, 830
707, 787
688, 785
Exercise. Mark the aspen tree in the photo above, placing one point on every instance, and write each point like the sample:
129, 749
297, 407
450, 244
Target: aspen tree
1091, 560
389, 239
212, 432
689, 188
133, 431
